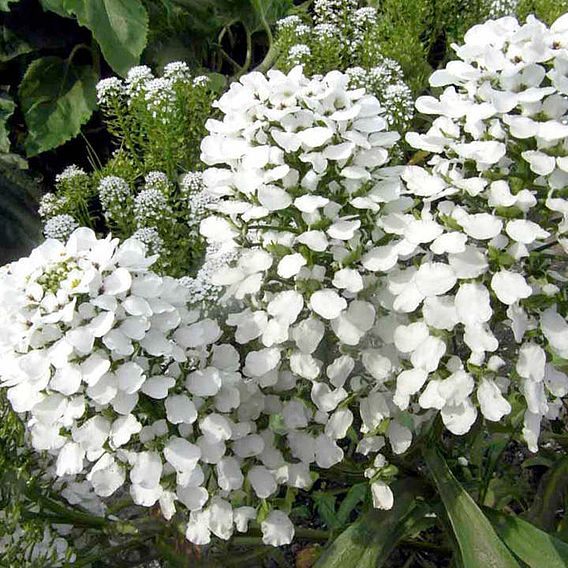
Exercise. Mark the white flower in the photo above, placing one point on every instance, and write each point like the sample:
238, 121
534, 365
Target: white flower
383, 497
327, 304
277, 529
435, 279
290, 265
262, 481
70, 459
510, 287
221, 518
525, 232
180, 409
493, 405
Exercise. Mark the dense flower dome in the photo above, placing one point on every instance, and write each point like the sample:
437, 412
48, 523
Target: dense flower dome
301, 169
493, 224
121, 384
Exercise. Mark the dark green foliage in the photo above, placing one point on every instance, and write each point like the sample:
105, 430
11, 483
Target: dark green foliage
57, 98
20, 229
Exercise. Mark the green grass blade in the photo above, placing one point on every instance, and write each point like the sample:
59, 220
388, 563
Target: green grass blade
368, 542
479, 544
534, 547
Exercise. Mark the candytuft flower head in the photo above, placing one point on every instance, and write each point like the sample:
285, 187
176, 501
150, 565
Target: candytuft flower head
125, 388
177, 71
69, 173
51, 205
492, 215
109, 90
301, 199
150, 206
59, 227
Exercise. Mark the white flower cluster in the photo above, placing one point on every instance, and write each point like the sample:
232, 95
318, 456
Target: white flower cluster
300, 165
199, 202
113, 191
344, 34
150, 207
158, 181
160, 98
115, 197
122, 385
69, 173
150, 237
59, 226
336, 12
108, 90
385, 82
500, 8
202, 292
485, 293
136, 80
50, 205
299, 54
191, 182
177, 71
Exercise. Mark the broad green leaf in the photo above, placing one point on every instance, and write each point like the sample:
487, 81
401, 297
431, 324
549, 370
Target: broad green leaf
479, 544
533, 546
12, 45
56, 6
354, 496
7, 107
5, 4
368, 542
57, 97
550, 496
267, 12
119, 26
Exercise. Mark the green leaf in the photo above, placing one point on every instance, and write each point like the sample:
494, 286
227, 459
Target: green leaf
12, 45
7, 107
119, 26
267, 12
550, 496
57, 97
5, 4
354, 496
478, 542
56, 6
533, 546
325, 504
368, 542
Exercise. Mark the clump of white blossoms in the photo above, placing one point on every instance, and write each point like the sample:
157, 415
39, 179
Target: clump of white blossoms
123, 386
301, 167
499, 8
347, 35
384, 80
485, 295
59, 227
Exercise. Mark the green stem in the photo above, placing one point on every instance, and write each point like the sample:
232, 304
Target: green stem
300, 533
269, 59
70, 515
426, 546
109, 553
545, 246
248, 57
239, 70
